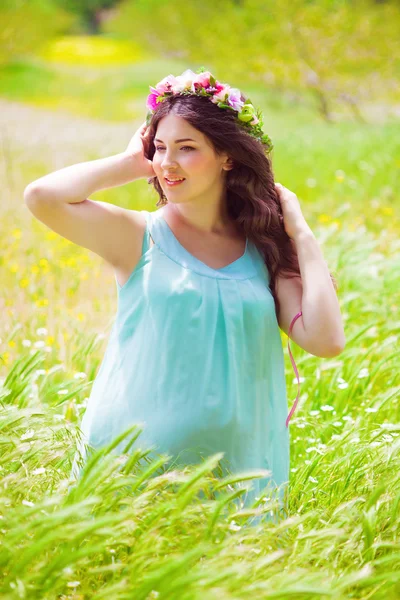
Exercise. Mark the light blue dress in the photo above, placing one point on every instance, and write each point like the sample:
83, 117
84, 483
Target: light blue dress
195, 356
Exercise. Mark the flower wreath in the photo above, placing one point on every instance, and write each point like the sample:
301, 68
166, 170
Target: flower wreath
203, 83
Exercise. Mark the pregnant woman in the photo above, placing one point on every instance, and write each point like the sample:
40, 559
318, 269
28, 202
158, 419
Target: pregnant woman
205, 282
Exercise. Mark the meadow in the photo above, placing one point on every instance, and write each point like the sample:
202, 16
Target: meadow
131, 528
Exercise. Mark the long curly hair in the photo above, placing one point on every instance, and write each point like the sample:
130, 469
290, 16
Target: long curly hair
253, 202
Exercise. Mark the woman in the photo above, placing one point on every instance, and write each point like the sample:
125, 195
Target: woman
204, 282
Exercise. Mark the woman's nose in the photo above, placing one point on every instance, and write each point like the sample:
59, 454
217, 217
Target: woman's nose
167, 161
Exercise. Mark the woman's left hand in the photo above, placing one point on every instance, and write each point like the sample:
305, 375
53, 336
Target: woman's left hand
293, 218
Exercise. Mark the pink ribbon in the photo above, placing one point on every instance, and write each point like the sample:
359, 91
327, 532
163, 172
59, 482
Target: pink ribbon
295, 370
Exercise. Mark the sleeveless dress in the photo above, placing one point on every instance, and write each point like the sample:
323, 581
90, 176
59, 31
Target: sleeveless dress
195, 356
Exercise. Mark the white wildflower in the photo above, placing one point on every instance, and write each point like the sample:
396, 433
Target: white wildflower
39, 471
27, 503
364, 372
41, 331
80, 375
39, 344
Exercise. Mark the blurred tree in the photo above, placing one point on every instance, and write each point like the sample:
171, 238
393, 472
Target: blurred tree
91, 12
27, 24
338, 51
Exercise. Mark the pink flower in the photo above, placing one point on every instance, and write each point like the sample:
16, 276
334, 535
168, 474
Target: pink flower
222, 90
151, 102
202, 80
165, 84
234, 99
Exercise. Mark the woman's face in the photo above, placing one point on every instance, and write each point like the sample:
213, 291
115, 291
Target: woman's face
193, 158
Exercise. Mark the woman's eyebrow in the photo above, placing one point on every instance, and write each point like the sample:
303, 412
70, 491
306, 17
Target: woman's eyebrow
176, 141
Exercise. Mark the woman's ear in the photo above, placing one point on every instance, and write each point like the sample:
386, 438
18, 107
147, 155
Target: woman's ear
228, 164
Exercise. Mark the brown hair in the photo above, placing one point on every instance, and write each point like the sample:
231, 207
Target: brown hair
252, 199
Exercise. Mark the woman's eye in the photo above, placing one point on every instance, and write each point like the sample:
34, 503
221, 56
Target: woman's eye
187, 147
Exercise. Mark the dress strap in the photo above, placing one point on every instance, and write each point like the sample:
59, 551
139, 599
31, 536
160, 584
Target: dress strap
295, 369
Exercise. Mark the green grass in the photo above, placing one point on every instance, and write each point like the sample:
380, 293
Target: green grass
136, 529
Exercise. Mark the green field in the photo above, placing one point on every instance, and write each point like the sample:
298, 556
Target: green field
58, 300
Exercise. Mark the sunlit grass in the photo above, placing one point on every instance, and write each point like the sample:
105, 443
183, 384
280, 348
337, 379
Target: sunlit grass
131, 527
92, 51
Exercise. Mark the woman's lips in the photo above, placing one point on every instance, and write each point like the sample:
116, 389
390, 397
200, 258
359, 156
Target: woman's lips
173, 183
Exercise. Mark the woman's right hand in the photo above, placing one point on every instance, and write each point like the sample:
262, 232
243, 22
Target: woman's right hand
136, 148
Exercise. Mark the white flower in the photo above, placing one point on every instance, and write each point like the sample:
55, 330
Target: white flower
41, 331
363, 373
39, 344
39, 471
80, 375
27, 503
184, 81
